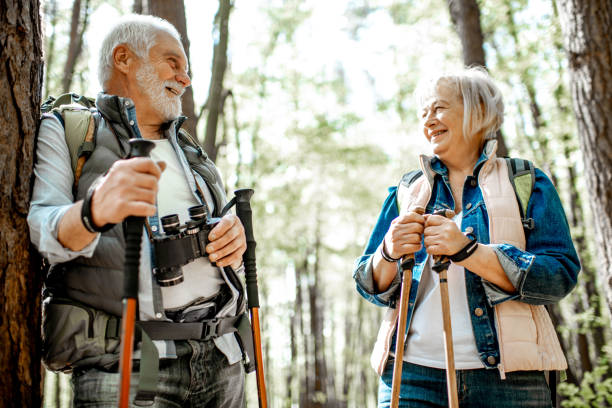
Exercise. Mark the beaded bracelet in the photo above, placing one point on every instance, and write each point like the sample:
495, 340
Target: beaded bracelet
386, 256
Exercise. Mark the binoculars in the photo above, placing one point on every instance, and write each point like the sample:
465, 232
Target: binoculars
181, 244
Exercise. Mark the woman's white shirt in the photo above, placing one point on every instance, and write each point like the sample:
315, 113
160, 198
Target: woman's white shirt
425, 345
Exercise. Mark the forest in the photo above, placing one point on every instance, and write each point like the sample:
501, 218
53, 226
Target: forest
310, 103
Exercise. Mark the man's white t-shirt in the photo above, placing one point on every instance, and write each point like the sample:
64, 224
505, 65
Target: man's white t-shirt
425, 345
201, 279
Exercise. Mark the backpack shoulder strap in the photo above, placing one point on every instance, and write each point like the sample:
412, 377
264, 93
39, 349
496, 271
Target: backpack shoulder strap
80, 124
402, 188
522, 177
185, 139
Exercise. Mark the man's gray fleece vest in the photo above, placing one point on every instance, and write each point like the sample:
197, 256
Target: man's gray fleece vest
98, 281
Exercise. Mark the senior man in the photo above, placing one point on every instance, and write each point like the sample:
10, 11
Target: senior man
143, 73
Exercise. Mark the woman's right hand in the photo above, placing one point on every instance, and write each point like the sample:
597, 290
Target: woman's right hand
404, 235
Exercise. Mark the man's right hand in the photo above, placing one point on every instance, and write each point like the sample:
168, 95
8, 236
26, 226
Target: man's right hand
128, 189
404, 235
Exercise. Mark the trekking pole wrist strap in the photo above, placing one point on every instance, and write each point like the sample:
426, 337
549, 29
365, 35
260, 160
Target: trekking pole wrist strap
86, 217
466, 251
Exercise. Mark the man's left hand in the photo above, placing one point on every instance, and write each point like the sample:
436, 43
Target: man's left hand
227, 242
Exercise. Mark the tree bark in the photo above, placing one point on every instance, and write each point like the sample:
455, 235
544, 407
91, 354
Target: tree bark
174, 12
588, 42
465, 15
77, 31
21, 74
219, 65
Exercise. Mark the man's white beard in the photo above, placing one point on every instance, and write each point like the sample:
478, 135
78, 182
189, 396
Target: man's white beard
169, 107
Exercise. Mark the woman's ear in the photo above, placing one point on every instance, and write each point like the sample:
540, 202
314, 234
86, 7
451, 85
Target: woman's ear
123, 58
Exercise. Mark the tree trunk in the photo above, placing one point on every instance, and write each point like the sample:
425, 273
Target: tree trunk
20, 92
554, 312
51, 12
293, 324
77, 31
465, 15
219, 65
138, 7
590, 298
317, 320
174, 12
588, 43
304, 381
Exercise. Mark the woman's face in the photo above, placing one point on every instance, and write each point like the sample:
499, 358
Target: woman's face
443, 124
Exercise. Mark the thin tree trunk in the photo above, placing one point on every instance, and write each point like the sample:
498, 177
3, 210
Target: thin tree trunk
219, 65
556, 319
465, 15
349, 352
77, 31
174, 12
304, 381
51, 11
294, 355
58, 390
138, 7
588, 41
21, 74
316, 323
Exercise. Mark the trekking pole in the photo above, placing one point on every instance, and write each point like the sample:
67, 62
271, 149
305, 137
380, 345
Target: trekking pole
441, 264
244, 213
134, 226
407, 265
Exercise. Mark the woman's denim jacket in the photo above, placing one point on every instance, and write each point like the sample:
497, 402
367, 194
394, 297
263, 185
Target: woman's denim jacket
543, 273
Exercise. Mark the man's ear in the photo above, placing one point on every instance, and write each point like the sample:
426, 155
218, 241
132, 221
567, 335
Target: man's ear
123, 58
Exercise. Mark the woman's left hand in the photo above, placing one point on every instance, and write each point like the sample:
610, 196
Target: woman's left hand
442, 236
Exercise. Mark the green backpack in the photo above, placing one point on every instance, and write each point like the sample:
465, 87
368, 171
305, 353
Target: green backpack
522, 177
79, 117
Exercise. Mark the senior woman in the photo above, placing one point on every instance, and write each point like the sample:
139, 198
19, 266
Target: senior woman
503, 338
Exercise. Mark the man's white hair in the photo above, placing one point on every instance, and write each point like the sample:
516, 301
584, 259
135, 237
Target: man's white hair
483, 104
139, 32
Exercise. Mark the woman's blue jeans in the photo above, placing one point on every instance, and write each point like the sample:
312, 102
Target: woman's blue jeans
199, 377
479, 388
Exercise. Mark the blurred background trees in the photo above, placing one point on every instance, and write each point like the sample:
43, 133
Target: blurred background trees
310, 103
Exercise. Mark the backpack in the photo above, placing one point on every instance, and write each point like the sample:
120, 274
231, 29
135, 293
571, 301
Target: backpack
522, 177
80, 118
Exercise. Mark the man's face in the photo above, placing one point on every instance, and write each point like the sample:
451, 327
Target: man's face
162, 78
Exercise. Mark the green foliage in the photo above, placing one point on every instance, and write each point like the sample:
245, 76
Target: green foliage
595, 390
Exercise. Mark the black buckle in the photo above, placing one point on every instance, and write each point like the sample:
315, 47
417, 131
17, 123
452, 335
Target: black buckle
210, 329
528, 224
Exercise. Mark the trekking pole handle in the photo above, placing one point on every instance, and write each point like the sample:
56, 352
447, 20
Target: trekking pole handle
134, 225
408, 260
245, 214
440, 261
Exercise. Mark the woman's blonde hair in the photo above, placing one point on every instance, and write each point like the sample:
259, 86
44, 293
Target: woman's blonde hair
483, 105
